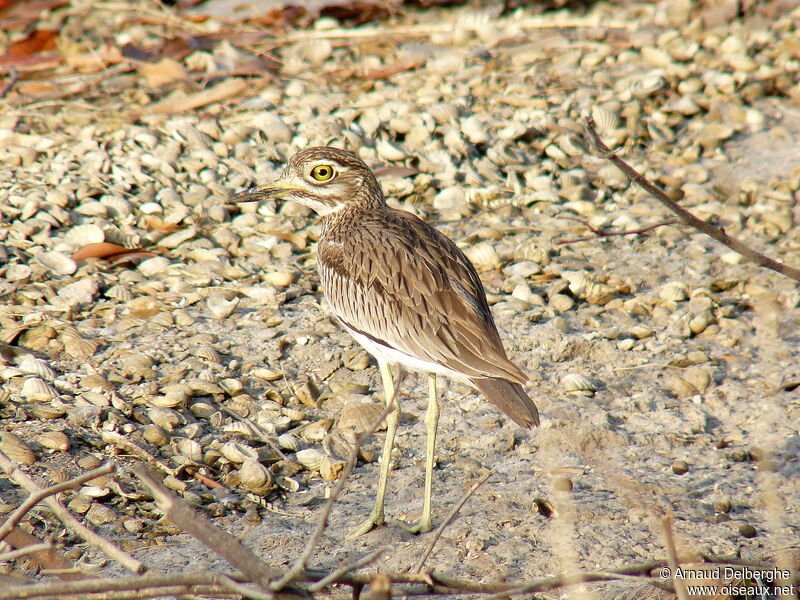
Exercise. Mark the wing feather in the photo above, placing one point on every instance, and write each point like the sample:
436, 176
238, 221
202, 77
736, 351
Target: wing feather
406, 285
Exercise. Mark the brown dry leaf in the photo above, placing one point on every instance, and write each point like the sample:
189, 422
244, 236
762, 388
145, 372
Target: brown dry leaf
180, 103
37, 41
108, 252
393, 171
152, 223
164, 71
19, 14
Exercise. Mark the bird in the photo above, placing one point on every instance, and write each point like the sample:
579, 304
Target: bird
405, 292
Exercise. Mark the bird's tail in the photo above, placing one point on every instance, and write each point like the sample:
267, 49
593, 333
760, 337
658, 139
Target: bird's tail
509, 397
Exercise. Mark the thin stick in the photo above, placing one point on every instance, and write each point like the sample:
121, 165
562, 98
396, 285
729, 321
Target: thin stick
672, 556
15, 554
37, 497
602, 233
223, 543
302, 562
440, 530
111, 550
684, 215
348, 568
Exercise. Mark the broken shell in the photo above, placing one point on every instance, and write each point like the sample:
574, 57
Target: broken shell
674, 291
53, 440
219, 307
287, 483
164, 417
287, 441
331, 469
358, 417
576, 383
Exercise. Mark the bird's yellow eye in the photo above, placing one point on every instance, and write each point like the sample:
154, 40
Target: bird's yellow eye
322, 173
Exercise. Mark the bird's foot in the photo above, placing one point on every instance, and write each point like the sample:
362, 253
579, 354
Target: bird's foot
375, 519
423, 526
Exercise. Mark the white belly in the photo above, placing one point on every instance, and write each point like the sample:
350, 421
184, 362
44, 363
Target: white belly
411, 363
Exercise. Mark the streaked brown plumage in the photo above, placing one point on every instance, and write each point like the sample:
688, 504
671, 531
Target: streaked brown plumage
403, 289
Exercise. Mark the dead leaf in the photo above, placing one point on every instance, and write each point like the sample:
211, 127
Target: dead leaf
164, 71
20, 14
109, 251
152, 223
180, 103
393, 171
37, 41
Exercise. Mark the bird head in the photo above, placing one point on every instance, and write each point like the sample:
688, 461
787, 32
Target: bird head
324, 179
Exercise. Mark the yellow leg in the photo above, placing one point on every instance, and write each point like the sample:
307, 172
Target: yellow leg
377, 517
431, 423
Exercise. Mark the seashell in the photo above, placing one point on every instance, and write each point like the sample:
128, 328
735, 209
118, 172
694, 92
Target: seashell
53, 440
119, 292
155, 435
48, 411
582, 286
219, 307
57, 263
674, 291
16, 449
255, 477
208, 353
336, 445
10, 334
153, 266
483, 256
168, 400
38, 390
287, 441
314, 432
279, 279
89, 462
231, 386
699, 322
82, 235
606, 120
646, 86
76, 346
237, 452
266, 374
358, 417
310, 458
190, 449
99, 514
443, 112
389, 151
17, 272
576, 383
80, 503
80, 292
36, 366
475, 130
164, 417
287, 483
331, 469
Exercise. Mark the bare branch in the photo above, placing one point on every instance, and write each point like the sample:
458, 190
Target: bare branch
111, 550
684, 215
37, 497
439, 530
602, 233
302, 562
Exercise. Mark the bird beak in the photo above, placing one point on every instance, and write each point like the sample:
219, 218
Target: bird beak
265, 192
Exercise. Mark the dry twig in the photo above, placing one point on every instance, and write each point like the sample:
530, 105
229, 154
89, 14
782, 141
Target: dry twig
37, 497
111, 550
684, 215
438, 533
